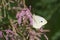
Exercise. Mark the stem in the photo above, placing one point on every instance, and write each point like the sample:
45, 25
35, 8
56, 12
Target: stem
46, 30
24, 3
45, 36
3, 3
11, 22
9, 5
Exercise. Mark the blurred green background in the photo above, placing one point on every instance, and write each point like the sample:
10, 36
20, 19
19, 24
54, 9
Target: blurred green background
50, 10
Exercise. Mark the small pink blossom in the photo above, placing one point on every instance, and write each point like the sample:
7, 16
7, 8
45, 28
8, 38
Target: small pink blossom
1, 35
31, 21
28, 13
9, 34
17, 15
9, 31
12, 38
22, 13
19, 20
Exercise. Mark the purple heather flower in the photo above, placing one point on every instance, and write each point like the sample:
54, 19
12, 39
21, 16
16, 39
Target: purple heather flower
1, 35
19, 20
9, 34
12, 38
20, 14
9, 31
17, 15
29, 15
24, 12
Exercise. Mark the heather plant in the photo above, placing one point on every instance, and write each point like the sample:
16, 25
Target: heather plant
17, 22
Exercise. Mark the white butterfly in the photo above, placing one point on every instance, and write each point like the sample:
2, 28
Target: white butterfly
38, 21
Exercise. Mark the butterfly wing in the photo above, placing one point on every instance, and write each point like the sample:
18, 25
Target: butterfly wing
38, 21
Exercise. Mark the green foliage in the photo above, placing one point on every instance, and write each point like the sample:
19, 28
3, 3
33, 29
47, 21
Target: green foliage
45, 8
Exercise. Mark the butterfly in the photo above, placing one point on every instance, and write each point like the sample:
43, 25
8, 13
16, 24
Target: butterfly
38, 21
